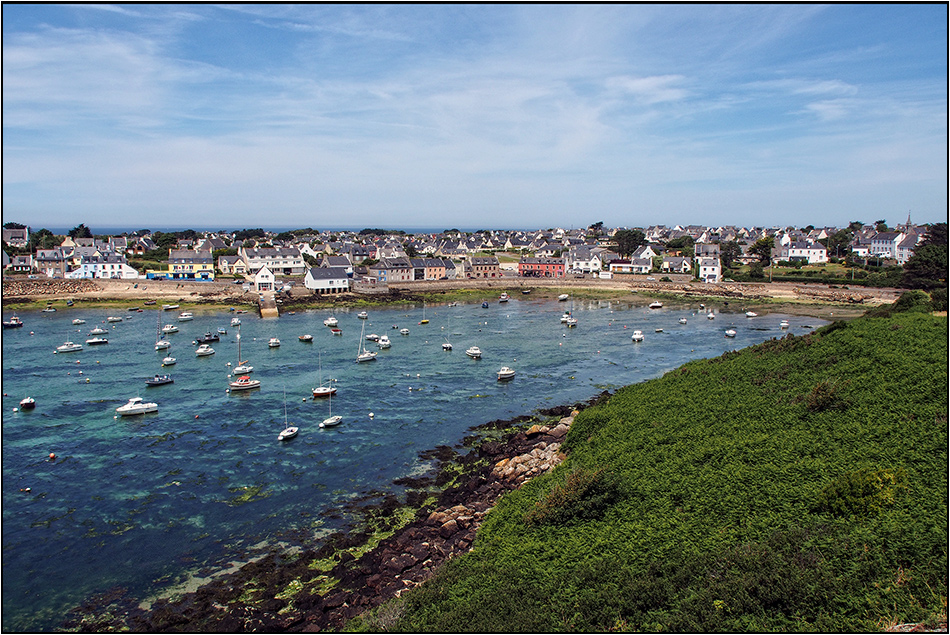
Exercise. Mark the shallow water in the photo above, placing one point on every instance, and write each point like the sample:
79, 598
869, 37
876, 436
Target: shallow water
141, 502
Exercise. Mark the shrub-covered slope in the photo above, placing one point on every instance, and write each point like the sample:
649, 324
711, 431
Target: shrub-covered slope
796, 485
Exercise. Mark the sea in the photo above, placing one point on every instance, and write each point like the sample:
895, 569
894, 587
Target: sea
94, 502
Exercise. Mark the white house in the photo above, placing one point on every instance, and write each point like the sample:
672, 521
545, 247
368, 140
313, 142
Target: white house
327, 280
885, 244
677, 264
111, 266
709, 269
812, 253
634, 265
264, 280
284, 260
905, 249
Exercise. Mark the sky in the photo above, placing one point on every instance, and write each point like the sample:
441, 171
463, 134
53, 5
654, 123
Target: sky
483, 116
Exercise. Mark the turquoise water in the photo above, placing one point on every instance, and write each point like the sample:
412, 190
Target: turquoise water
141, 502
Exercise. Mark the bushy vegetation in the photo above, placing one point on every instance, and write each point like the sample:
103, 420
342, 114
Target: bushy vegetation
796, 485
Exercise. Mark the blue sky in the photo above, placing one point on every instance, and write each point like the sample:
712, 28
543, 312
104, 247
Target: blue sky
473, 116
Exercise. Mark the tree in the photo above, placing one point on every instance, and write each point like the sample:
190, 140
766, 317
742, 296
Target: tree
855, 226
628, 240
596, 228
43, 239
839, 242
728, 252
881, 225
927, 268
683, 244
410, 249
763, 249
80, 231
12, 225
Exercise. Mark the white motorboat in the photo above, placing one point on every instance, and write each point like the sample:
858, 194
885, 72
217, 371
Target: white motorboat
203, 351
659, 330
79, 321
563, 297
137, 406
169, 361
243, 383
404, 331
98, 331
113, 319
710, 316
222, 330
363, 355
474, 352
69, 347
784, 324
730, 333
162, 345
169, 307
504, 297
682, 320
169, 328
751, 314
384, 342
185, 316
331, 321
363, 315
446, 346
273, 342
656, 304
564, 317
235, 321
506, 373
372, 337
92, 341
637, 336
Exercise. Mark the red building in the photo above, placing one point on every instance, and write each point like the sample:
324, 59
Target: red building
541, 268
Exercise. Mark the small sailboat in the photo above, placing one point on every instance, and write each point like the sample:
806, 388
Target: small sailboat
447, 345
28, 403
289, 431
161, 343
331, 419
363, 355
322, 391
242, 368
423, 320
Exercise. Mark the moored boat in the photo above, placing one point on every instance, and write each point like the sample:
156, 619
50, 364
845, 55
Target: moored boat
273, 342
13, 323
751, 314
288, 433
98, 331
137, 406
384, 342
504, 297
637, 336
244, 382
331, 321
169, 307
159, 380
169, 328
203, 351
186, 316
563, 297
682, 320
730, 332
113, 318
506, 373
27, 404
336, 331
235, 321
169, 361
305, 338
363, 315
92, 341
68, 347
79, 321
656, 304
474, 352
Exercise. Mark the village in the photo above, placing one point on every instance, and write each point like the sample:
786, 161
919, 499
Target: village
333, 262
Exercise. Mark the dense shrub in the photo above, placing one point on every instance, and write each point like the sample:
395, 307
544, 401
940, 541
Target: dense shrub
583, 495
861, 492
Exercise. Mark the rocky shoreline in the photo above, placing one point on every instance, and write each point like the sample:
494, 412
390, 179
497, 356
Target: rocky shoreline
356, 571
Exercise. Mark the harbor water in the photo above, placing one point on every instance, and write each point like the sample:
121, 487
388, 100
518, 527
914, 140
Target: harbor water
143, 503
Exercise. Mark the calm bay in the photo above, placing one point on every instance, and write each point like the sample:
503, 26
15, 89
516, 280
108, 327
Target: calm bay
144, 502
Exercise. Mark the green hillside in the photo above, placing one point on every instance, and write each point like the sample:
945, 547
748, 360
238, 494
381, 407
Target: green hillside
796, 485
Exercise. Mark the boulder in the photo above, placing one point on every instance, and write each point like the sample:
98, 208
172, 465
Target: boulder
449, 528
560, 430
